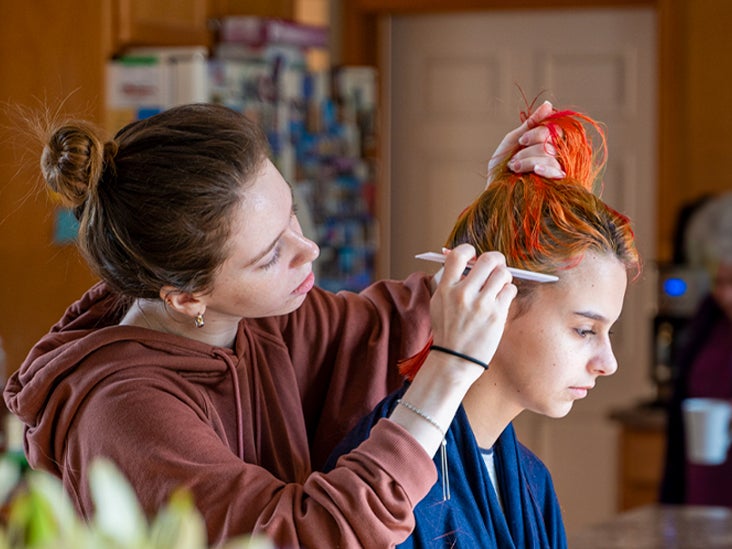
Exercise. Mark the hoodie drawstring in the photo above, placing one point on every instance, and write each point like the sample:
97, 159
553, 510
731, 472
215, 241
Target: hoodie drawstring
237, 401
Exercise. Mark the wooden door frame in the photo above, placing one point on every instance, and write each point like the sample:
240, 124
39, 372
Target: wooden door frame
360, 45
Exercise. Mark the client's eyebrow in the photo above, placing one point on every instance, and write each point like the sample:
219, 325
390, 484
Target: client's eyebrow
591, 315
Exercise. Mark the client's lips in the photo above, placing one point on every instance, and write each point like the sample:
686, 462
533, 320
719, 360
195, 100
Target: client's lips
580, 392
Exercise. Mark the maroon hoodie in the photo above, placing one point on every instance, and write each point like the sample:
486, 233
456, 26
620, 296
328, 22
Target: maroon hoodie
243, 430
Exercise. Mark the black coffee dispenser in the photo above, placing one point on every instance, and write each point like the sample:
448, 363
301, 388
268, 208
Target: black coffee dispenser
680, 290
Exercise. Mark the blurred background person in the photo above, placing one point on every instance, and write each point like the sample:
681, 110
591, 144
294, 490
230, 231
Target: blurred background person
704, 363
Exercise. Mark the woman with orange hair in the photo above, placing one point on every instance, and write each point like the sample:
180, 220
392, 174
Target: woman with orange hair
492, 491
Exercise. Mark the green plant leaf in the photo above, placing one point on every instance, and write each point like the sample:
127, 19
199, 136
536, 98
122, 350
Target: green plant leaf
118, 515
9, 477
41, 515
49, 489
40, 526
179, 525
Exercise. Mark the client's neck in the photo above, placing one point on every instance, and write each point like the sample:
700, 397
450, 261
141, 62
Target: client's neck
489, 409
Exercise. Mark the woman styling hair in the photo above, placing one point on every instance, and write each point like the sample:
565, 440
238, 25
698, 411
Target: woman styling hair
207, 359
492, 491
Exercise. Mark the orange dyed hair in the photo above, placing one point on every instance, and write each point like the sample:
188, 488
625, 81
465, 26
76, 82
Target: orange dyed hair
544, 224
541, 224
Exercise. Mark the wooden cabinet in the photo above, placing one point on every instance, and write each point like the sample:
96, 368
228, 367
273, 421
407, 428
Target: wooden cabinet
284, 9
163, 22
183, 22
642, 447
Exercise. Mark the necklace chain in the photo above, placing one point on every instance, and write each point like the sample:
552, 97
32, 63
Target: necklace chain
158, 326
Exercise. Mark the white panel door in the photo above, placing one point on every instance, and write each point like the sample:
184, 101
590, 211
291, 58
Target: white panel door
454, 93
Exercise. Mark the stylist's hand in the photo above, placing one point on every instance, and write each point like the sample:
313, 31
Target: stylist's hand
537, 152
469, 312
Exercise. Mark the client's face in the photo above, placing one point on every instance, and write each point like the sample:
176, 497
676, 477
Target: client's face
553, 353
722, 287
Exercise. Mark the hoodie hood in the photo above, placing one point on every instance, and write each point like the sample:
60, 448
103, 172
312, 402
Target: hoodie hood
82, 349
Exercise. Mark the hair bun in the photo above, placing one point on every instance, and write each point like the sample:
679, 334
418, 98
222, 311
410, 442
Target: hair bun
72, 161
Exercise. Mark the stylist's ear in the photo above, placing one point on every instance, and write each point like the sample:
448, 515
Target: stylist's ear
185, 303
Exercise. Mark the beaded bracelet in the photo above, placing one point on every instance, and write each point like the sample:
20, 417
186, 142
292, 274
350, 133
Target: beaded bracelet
459, 355
443, 451
422, 414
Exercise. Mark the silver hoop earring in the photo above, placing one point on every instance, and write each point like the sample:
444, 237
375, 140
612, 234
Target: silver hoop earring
198, 321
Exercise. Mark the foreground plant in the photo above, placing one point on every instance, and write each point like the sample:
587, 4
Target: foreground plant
39, 515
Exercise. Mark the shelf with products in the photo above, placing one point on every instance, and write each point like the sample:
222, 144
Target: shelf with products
319, 123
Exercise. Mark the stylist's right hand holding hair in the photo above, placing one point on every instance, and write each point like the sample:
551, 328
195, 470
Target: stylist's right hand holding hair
468, 316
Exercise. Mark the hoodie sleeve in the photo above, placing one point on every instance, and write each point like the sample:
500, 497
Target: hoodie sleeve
161, 441
163, 409
345, 349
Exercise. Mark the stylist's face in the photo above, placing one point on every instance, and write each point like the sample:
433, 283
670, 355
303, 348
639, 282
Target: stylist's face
722, 288
269, 268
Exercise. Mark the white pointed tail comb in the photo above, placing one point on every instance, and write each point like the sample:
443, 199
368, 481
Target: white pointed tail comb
518, 273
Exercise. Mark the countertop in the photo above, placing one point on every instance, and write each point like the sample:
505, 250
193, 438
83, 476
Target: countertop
643, 417
660, 527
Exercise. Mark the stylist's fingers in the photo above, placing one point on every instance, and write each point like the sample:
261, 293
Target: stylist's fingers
487, 320
539, 158
455, 263
537, 136
469, 313
527, 134
488, 275
488, 271
541, 112
511, 140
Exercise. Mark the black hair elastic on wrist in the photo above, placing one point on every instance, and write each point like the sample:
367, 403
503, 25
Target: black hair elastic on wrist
459, 355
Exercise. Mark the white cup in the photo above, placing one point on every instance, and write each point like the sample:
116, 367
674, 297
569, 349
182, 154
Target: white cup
707, 423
